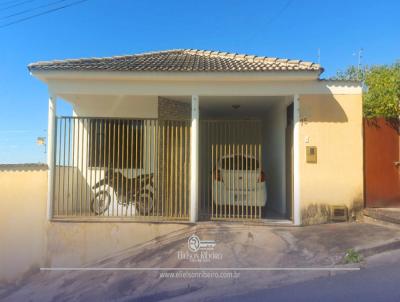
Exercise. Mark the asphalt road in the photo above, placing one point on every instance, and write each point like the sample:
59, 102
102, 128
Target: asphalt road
367, 285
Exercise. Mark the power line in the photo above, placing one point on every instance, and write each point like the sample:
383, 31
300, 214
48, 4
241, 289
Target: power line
279, 13
43, 13
31, 9
9, 2
15, 5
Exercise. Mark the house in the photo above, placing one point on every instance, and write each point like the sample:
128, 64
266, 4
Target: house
190, 135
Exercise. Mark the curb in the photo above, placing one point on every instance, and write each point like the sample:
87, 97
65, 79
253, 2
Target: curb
378, 249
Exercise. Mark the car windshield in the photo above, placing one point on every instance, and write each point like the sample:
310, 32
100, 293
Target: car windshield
239, 162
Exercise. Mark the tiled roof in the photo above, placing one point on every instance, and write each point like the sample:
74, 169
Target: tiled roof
179, 60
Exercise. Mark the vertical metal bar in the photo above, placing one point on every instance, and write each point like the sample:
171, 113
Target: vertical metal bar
212, 177
176, 170
229, 195
238, 170
208, 180
131, 174
58, 122
113, 168
243, 178
81, 163
163, 202
252, 181
180, 170
247, 181
95, 162
86, 126
171, 158
185, 171
69, 161
122, 162
64, 165
136, 165
119, 193
99, 152
222, 193
261, 169
216, 182
90, 161
127, 168
148, 141
141, 154
146, 166
227, 198
77, 165
144, 163
107, 183
73, 169
155, 167
149, 164
255, 180
158, 166
104, 122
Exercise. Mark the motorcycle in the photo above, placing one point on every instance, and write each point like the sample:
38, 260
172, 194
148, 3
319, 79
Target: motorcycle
138, 192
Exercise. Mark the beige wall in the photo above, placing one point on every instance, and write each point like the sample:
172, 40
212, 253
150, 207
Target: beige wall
332, 123
29, 241
23, 219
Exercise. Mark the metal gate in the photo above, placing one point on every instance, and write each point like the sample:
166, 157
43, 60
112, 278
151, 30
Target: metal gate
232, 177
121, 168
382, 163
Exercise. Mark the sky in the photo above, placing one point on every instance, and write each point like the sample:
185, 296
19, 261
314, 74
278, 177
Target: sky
94, 28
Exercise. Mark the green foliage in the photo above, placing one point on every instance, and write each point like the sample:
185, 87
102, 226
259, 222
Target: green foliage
352, 256
382, 97
352, 73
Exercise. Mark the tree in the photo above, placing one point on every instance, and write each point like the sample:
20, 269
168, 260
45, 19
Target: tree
382, 95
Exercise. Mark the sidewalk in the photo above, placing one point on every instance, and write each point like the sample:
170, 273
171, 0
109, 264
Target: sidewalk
236, 246
390, 215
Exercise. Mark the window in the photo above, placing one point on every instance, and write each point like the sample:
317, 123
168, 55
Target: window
238, 162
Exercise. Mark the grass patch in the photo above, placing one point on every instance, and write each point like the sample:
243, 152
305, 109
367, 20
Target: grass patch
352, 256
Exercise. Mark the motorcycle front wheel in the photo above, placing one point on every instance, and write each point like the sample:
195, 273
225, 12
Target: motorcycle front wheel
100, 202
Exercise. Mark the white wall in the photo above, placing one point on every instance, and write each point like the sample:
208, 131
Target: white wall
116, 106
274, 154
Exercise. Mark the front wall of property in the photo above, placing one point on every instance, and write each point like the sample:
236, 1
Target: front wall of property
332, 123
22, 220
30, 241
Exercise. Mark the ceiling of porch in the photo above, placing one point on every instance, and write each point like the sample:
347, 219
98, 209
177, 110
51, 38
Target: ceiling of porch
233, 106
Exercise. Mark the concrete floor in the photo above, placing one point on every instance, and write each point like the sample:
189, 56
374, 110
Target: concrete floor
236, 246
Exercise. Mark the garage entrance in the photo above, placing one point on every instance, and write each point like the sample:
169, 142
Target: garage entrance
245, 156
232, 175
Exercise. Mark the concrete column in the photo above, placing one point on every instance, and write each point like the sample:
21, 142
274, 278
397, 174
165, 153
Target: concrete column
194, 160
51, 145
296, 161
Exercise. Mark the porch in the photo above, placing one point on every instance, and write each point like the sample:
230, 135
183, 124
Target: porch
196, 158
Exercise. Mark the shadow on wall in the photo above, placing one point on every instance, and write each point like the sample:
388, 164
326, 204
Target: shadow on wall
391, 122
315, 108
318, 213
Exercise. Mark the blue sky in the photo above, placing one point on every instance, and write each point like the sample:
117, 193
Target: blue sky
95, 28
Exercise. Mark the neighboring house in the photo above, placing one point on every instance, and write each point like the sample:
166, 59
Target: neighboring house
189, 135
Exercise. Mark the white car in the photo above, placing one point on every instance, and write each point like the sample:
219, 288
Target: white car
239, 180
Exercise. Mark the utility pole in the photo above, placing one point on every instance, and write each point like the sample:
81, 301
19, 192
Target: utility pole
319, 56
360, 56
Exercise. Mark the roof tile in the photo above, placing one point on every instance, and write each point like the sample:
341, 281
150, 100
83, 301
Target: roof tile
179, 60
